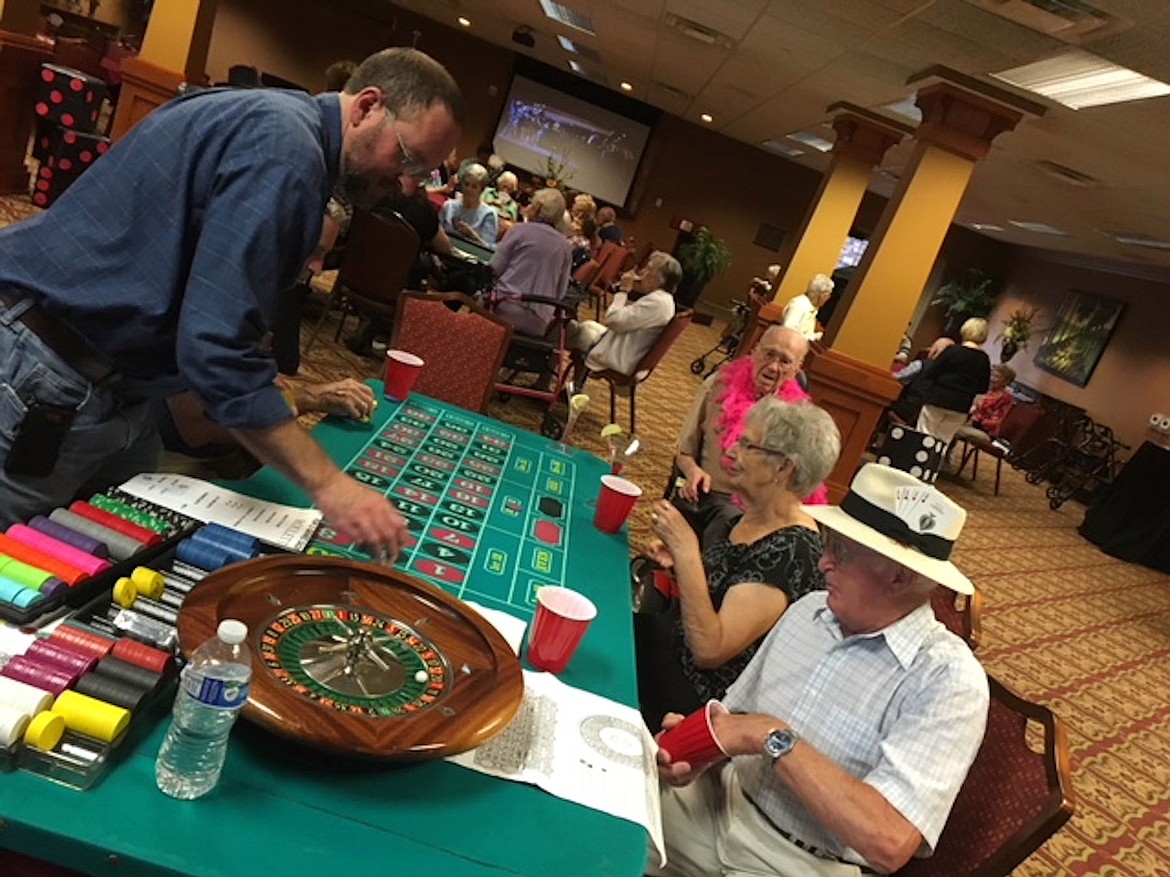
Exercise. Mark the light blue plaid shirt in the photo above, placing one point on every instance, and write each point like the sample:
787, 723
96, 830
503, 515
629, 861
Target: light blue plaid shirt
903, 710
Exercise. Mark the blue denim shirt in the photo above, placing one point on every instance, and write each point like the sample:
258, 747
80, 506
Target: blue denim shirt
170, 252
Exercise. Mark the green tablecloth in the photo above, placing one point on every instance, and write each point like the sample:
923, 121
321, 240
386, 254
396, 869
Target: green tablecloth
292, 811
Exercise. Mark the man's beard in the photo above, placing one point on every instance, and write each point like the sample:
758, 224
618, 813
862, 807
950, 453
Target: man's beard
362, 190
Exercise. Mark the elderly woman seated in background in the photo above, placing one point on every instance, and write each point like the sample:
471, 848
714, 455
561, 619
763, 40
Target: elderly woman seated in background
533, 259
749, 569
502, 197
952, 382
467, 215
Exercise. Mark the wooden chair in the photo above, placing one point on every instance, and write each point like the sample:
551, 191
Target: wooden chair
1017, 423
463, 349
962, 614
380, 251
611, 258
646, 365
1013, 800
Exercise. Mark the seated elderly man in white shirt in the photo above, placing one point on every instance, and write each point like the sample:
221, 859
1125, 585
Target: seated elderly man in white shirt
853, 727
632, 323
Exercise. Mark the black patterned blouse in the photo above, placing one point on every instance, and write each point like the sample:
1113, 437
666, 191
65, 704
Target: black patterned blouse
785, 558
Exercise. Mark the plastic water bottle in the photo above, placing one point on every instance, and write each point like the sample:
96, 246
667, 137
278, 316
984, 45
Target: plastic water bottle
213, 688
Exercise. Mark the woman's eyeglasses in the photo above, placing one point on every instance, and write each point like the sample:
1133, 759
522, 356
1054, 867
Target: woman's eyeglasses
744, 445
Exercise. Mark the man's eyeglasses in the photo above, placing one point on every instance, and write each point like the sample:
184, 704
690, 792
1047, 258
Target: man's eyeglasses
744, 445
411, 165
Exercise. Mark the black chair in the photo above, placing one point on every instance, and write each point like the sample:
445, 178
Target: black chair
380, 251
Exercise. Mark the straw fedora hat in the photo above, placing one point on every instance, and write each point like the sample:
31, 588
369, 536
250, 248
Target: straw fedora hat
904, 519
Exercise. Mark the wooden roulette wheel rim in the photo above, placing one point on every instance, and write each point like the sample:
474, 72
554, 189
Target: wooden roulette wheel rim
340, 650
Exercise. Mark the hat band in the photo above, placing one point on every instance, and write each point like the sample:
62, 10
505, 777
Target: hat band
891, 525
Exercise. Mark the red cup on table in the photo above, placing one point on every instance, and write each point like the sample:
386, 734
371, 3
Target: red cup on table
402, 370
693, 739
614, 503
562, 617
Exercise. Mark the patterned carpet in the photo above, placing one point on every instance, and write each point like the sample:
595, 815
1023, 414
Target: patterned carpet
1065, 625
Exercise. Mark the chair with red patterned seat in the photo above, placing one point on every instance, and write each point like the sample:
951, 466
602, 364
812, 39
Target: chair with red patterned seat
463, 349
1014, 798
961, 613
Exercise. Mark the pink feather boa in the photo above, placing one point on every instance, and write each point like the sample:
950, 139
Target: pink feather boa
739, 395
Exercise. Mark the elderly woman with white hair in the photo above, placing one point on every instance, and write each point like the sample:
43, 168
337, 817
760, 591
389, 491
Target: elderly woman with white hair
534, 258
467, 216
750, 568
503, 197
952, 381
801, 311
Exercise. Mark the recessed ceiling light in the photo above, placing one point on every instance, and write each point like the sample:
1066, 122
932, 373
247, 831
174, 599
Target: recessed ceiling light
466, 22
1079, 79
985, 226
576, 48
706, 117
781, 148
820, 144
1039, 227
568, 17
627, 87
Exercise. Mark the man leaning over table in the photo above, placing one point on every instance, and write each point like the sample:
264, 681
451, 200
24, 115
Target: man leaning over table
160, 269
640, 309
854, 725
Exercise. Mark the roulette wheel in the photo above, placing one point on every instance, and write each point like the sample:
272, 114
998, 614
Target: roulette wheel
360, 659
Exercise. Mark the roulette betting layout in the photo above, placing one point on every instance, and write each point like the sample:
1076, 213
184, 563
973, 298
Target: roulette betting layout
489, 508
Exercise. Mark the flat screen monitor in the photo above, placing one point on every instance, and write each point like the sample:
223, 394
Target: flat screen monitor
599, 149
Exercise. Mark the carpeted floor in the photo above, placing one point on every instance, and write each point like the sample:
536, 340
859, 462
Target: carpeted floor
1065, 625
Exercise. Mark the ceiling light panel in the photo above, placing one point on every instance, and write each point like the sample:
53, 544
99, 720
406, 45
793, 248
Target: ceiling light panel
1078, 80
1038, 228
820, 144
576, 48
781, 148
568, 16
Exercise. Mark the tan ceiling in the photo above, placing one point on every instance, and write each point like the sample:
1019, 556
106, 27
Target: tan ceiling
786, 61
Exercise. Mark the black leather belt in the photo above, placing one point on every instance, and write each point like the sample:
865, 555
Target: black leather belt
74, 350
797, 842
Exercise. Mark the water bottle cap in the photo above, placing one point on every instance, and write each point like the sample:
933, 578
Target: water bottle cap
232, 632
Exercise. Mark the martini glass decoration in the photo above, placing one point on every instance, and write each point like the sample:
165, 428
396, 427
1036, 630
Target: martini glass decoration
578, 402
622, 446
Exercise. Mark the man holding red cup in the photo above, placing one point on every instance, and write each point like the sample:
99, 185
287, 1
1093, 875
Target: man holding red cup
852, 729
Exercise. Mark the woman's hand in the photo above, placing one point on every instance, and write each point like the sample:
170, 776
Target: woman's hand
672, 528
698, 483
660, 554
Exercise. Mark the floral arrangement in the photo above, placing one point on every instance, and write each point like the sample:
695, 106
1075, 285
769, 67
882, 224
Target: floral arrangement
556, 173
1018, 326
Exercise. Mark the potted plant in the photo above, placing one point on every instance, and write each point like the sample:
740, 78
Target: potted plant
972, 296
702, 258
1017, 331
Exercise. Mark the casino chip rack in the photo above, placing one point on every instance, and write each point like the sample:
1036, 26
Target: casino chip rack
92, 682
488, 509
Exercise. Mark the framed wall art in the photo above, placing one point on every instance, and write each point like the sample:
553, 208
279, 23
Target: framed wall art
1073, 346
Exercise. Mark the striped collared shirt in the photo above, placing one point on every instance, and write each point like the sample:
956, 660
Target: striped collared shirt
902, 709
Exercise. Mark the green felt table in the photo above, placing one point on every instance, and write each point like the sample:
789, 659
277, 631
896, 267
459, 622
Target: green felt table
294, 811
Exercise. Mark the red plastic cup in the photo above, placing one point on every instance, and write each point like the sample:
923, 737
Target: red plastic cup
402, 370
693, 739
562, 617
614, 503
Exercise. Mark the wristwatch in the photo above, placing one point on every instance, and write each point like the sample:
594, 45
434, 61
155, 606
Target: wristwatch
779, 743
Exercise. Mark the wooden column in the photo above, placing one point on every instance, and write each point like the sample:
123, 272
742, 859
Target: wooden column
863, 138
960, 118
174, 50
21, 57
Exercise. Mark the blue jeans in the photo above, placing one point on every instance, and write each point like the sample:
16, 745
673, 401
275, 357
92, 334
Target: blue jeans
109, 441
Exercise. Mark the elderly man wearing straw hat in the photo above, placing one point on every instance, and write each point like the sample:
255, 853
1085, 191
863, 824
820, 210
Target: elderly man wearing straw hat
852, 729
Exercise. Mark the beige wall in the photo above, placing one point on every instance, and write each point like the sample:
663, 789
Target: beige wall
1132, 379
